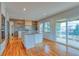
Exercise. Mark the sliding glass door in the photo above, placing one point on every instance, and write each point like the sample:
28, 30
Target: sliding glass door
61, 37
67, 33
61, 32
73, 37
73, 33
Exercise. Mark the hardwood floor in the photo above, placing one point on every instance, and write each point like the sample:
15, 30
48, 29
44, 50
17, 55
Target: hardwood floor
15, 47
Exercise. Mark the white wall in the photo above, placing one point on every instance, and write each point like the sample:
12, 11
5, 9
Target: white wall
0, 8
5, 13
0, 20
11, 28
50, 35
74, 12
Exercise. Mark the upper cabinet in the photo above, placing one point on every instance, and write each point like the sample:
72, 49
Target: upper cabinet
28, 23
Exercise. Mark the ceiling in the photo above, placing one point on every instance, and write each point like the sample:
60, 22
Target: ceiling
37, 10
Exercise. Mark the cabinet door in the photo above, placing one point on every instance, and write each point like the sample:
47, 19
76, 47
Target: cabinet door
29, 41
38, 38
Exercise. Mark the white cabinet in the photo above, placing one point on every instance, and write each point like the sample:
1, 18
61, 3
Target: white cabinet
38, 38
30, 41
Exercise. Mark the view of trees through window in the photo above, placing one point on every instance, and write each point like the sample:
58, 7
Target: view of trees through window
47, 27
41, 28
69, 30
44, 27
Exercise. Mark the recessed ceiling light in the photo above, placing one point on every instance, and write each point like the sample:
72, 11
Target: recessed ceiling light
24, 9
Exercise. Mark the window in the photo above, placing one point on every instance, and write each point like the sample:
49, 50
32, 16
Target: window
67, 32
73, 33
47, 27
61, 32
41, 28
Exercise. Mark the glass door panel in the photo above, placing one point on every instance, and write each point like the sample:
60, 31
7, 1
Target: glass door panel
73, 36
61, 37
73, 33
61, 32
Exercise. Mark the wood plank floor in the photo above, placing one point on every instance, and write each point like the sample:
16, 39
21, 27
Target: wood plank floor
15, 47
